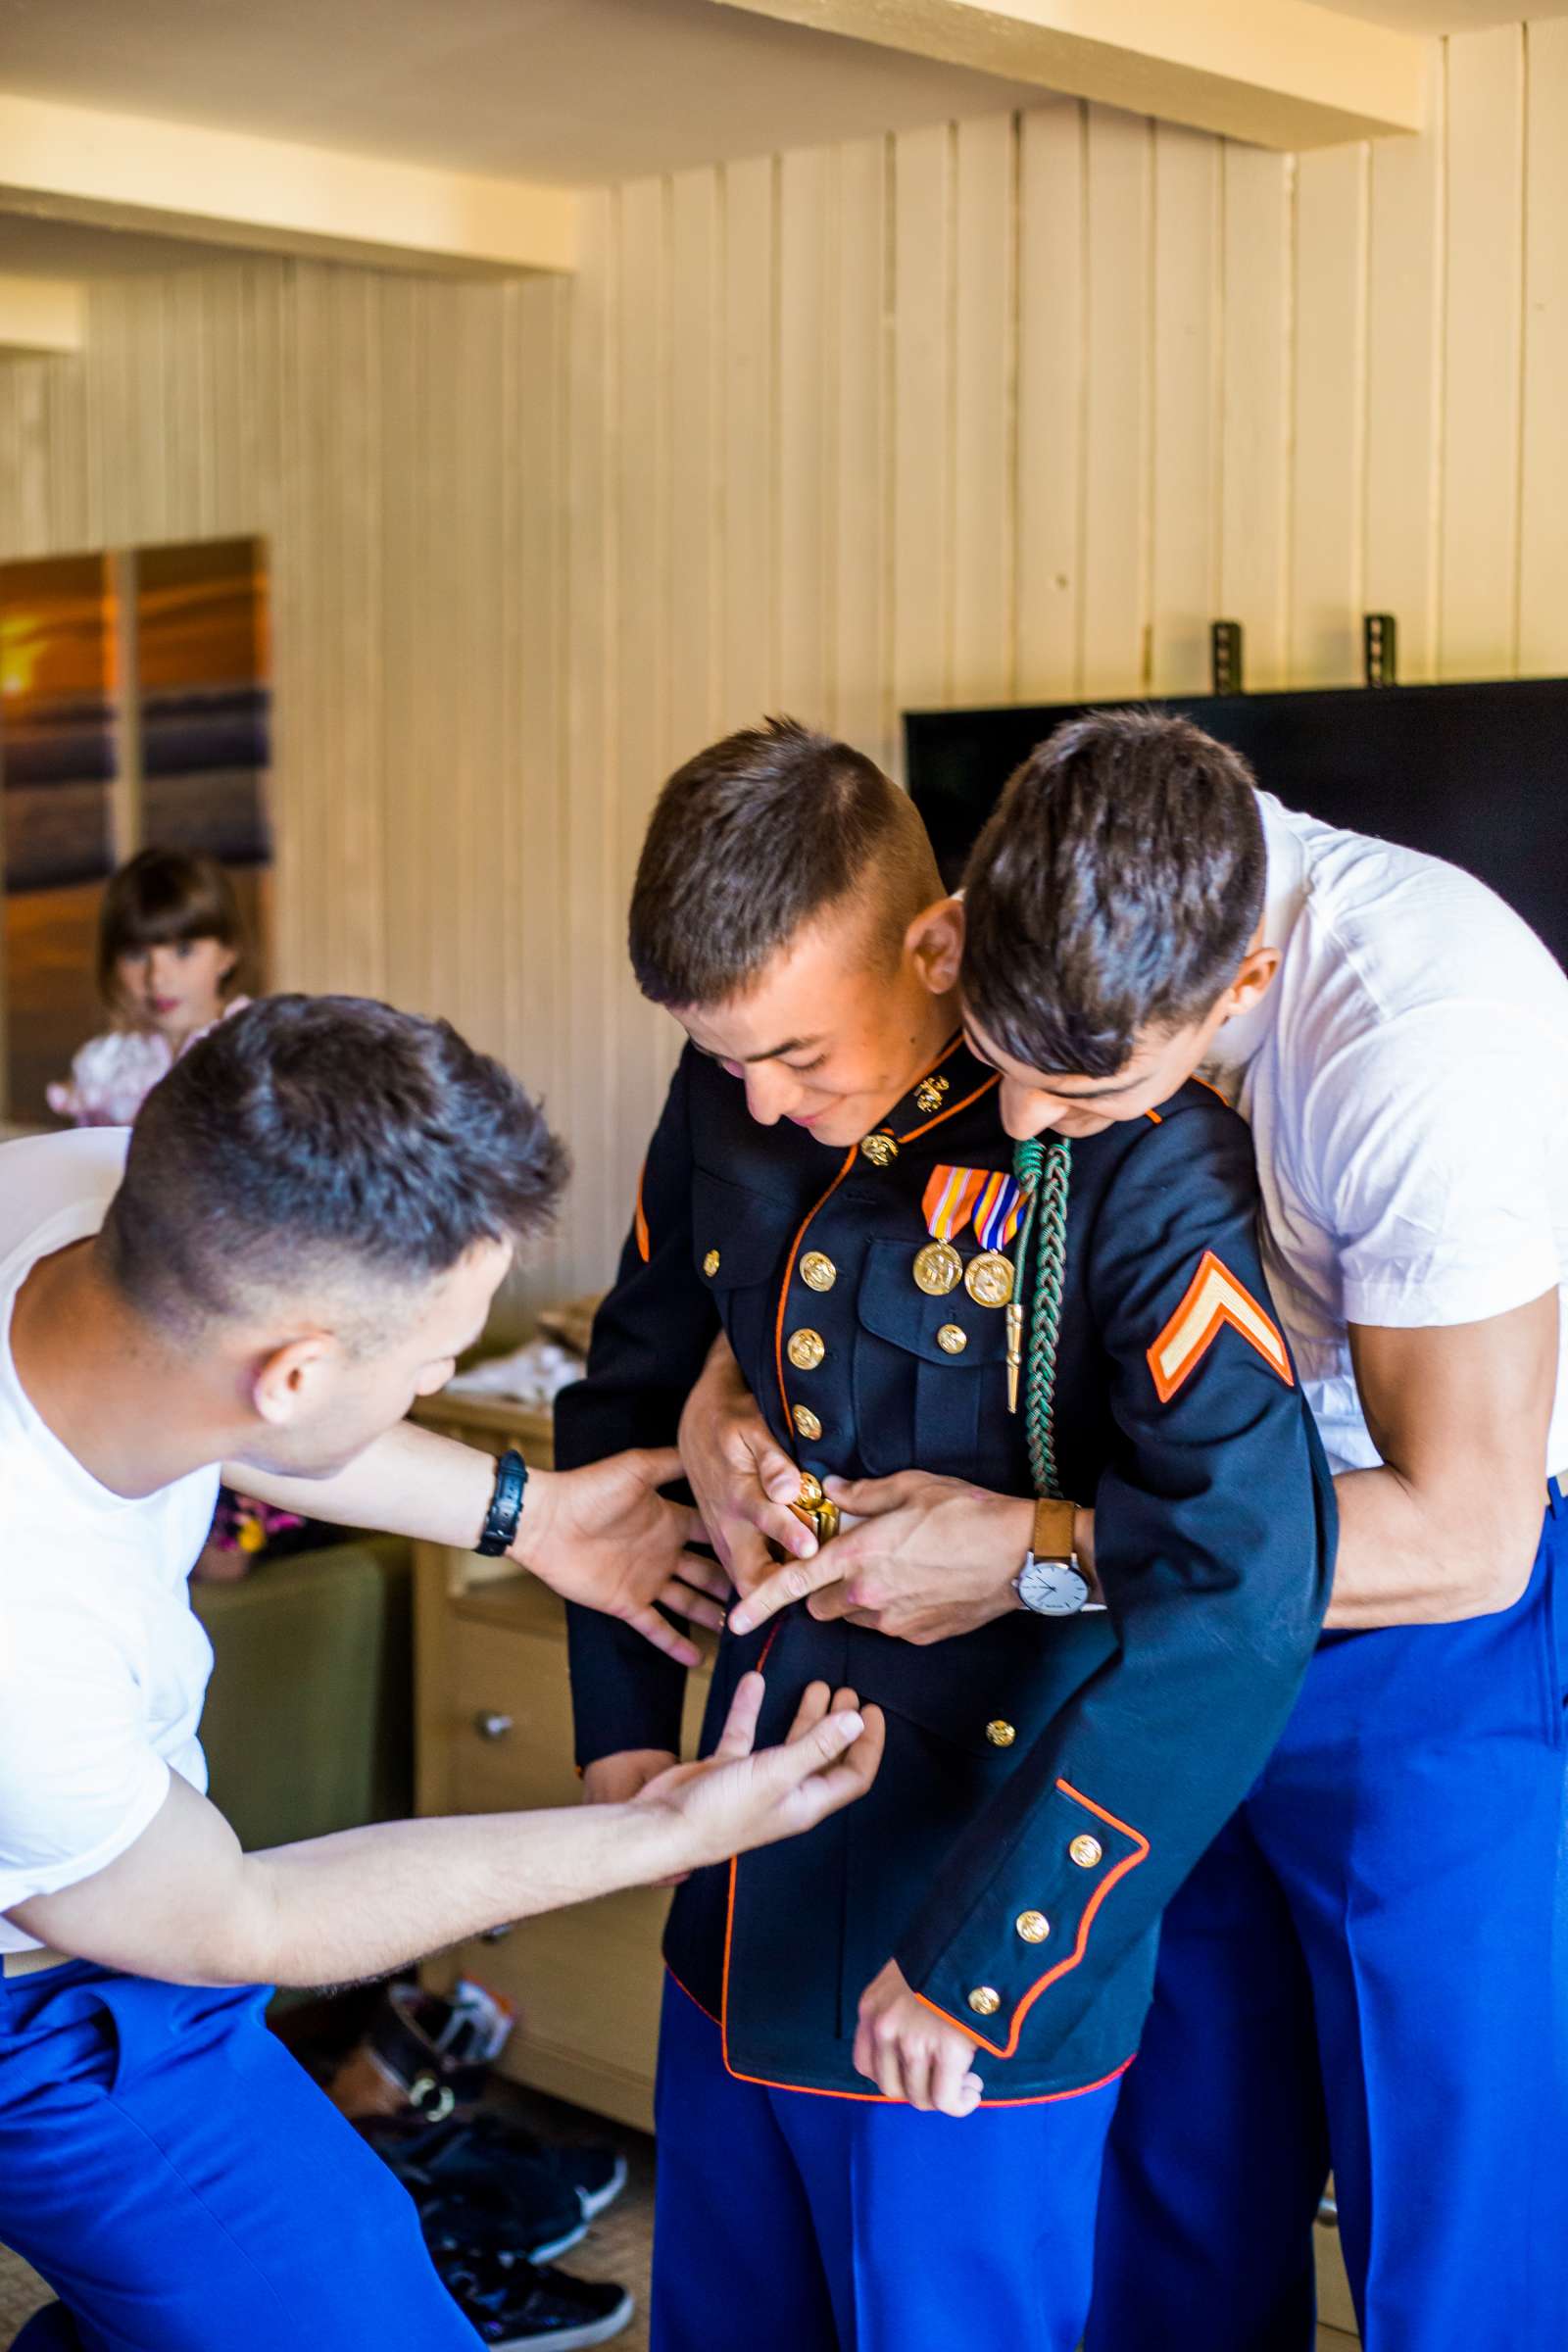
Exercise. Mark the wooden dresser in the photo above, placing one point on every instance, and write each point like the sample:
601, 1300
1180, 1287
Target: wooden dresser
494, 1734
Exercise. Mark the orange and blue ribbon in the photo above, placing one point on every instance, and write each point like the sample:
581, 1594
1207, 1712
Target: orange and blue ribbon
998, 1211
995, 1201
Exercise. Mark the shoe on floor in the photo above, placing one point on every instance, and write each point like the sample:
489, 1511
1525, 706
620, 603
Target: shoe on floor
597, 2173
516, 2305
526, 2205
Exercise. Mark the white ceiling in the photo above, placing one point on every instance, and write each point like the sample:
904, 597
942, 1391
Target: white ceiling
564, 90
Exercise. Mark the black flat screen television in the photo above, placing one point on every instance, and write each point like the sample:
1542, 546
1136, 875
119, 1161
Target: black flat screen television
1477, 774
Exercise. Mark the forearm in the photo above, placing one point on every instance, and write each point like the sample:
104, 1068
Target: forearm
411, 1482
1410, 1555
366, 1901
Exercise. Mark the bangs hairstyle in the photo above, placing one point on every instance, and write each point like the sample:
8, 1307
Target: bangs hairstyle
156, 900
1117, 888
323, 1141
751, 841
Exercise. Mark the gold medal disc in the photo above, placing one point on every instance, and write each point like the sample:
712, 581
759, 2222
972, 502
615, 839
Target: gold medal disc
938, 1269
988, 1278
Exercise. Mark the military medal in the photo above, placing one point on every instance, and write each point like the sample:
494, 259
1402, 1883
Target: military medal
949, 1200
938, 1269
988, 1278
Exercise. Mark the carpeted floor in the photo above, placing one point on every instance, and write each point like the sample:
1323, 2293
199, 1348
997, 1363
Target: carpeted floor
618, 2247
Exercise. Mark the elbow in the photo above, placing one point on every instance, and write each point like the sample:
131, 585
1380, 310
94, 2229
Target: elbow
1502, 1561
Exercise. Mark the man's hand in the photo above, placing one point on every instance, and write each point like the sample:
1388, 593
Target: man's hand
742, 1479
912, 2052
616, 1779
604, 1537
736, 1799
927, 1558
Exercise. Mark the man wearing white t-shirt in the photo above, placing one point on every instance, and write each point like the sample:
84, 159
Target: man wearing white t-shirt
1370, 1966
312, 1218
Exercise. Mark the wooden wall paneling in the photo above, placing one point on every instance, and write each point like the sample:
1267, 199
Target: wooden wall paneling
1052, 388
1258, 204
696, 506
749, 339
1329, 436
1185, 457
1405, 384
643, 631
1485, 225
66, 453
29, 378
863, 708
484, 557
807, 367
319, 574
1544, 528
296, 959
597, 1208
406, 877
985, 383
357, 793
534, 831
1112, 615
922, 418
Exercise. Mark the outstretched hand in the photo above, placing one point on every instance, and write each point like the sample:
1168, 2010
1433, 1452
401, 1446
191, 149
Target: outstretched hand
604, 1537
742, 1796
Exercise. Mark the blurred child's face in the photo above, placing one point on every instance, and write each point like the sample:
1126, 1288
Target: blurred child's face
177, 987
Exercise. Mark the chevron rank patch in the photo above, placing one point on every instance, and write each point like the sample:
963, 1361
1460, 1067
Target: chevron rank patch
1215, 1298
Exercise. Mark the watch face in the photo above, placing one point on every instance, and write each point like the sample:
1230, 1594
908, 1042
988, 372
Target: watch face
1052, 1588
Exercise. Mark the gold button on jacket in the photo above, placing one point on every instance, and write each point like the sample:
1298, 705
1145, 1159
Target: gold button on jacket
1000, 1733
805, 1422
953, 1338
710, 1263
1086, 1852
1033, 1925
817, 1271
984, 2000
805, 1349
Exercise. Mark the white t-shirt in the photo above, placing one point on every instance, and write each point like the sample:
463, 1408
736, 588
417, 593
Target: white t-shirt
103, 1668
1406, 1082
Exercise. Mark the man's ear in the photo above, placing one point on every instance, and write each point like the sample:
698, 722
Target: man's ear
1254, 980
935, 940
285, 1382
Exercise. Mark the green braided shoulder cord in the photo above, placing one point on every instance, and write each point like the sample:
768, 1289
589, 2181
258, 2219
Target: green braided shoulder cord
1044, 1168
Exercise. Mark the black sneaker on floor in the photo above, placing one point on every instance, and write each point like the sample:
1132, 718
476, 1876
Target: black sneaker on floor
515, 2305
598, 2174
536, 2211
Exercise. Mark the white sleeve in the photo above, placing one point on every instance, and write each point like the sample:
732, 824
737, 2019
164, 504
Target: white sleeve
1435, 1135
80, 1780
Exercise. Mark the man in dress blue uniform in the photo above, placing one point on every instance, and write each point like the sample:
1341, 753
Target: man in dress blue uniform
311, 1216
830, 1189
1368, 1966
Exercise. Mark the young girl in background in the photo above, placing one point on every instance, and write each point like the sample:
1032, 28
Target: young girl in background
170, 951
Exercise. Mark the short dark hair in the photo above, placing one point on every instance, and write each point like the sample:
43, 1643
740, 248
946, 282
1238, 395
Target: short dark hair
753, 839
1116, 888
159, 898
303, 1134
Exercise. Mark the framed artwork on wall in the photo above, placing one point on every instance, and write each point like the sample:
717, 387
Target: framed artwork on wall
134, 712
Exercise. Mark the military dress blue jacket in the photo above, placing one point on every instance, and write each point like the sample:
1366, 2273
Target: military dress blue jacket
1048, 1781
